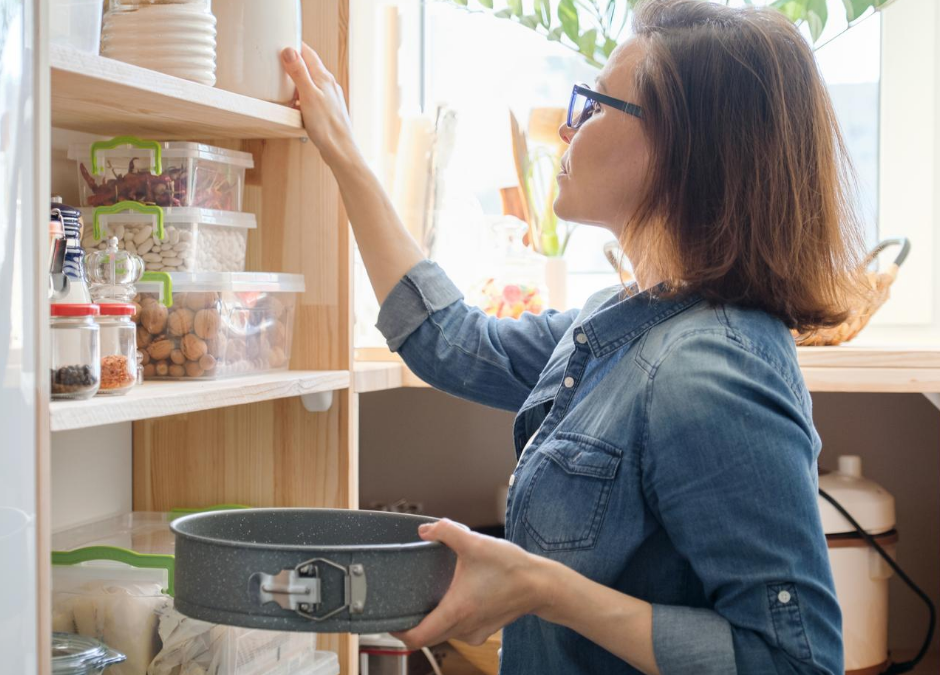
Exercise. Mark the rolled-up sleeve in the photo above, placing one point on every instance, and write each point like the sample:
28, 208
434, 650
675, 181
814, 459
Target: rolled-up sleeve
458, 349
729, 469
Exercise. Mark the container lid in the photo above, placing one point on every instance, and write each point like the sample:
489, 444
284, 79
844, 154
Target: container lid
116, 309
141, 531
186, 282
170, 150
77, 655
867, 502
76, 309
185, 215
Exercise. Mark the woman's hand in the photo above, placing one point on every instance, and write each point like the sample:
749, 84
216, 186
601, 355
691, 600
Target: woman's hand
495, 583
321, 100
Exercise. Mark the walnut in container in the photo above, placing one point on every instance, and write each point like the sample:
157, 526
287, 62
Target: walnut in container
218, 325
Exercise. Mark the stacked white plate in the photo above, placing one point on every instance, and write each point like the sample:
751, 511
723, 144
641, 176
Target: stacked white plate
176, 38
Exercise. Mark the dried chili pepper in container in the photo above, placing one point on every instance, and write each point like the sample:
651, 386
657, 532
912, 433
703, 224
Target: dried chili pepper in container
168, 174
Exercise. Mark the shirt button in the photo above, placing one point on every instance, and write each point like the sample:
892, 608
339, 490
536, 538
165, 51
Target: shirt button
569, 382
783, 597
512, 479
581, 338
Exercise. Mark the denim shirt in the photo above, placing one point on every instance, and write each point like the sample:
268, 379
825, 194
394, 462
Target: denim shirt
665, 449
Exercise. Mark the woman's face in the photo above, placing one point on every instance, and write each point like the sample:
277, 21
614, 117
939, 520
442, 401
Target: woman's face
602, 172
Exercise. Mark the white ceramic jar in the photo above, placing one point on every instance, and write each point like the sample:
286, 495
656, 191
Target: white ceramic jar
251, 36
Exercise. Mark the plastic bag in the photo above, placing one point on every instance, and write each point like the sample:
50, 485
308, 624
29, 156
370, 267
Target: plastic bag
192, 647
122, 614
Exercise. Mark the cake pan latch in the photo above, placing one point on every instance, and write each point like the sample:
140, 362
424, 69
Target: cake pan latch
299, 589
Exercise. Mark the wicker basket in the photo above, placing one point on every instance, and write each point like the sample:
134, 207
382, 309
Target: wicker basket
877, 293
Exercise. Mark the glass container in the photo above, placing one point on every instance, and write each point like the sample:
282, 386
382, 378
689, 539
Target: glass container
118, 338
78, 655
516, 280
76, 370
112, 274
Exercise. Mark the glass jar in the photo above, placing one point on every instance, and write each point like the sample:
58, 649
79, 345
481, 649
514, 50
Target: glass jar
78, 655
516, 280
118, 338
112, 273
76, 370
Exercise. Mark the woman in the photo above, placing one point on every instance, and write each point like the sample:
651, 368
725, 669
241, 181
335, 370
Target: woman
662, 517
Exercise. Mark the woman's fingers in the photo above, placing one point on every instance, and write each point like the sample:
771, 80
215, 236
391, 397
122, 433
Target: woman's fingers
296, 68
448, 533
318, 71
436, 627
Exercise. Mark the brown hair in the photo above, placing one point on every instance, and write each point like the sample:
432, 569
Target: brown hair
749, 191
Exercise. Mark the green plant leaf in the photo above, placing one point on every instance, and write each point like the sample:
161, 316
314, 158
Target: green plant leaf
462, 3
530, 21
487, 3
515, 6
568, 16
794, 10
543, 8
855, 8
555, 34
816, 16
588, 43
503, 13
609, 46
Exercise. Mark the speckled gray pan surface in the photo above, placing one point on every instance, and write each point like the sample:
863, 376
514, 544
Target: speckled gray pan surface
221, 555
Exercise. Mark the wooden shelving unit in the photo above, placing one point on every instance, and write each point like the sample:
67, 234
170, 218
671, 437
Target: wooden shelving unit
159, 399
846, 368
103, 96
246, 440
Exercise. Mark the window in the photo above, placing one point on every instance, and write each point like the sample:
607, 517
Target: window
880, 73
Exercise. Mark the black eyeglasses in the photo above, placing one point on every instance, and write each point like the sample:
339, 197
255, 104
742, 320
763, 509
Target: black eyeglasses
584, 102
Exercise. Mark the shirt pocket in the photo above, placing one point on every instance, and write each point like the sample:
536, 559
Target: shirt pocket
566, 499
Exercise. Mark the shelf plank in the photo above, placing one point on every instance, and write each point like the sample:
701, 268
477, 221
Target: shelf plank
99, 95
846, 368
159, 399
377, 376
917, 357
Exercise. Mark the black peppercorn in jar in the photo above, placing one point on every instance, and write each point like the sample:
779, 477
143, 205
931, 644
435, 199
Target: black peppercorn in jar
76, 367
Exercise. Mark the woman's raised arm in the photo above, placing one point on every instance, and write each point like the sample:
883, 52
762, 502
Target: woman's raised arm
388, 250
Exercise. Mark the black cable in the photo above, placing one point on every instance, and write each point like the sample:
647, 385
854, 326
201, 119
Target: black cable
904, 666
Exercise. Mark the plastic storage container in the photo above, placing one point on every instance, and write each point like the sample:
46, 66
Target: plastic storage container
118, 339
76, 370
218, 325
175, 37
76, 24
194, 240
131, 610
172, 173
78, 655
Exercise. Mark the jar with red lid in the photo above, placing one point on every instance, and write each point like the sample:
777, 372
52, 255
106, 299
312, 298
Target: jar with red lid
118, 338
76, 368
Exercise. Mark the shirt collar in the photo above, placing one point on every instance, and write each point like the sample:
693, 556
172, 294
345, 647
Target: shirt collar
629, 314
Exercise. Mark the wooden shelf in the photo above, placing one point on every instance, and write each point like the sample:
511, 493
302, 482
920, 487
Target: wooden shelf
846, 368
870, 368
107, 97
158, 399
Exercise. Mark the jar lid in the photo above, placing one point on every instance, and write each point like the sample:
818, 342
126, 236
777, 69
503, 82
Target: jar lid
867, 502
116, 309
78, 655
77, 309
